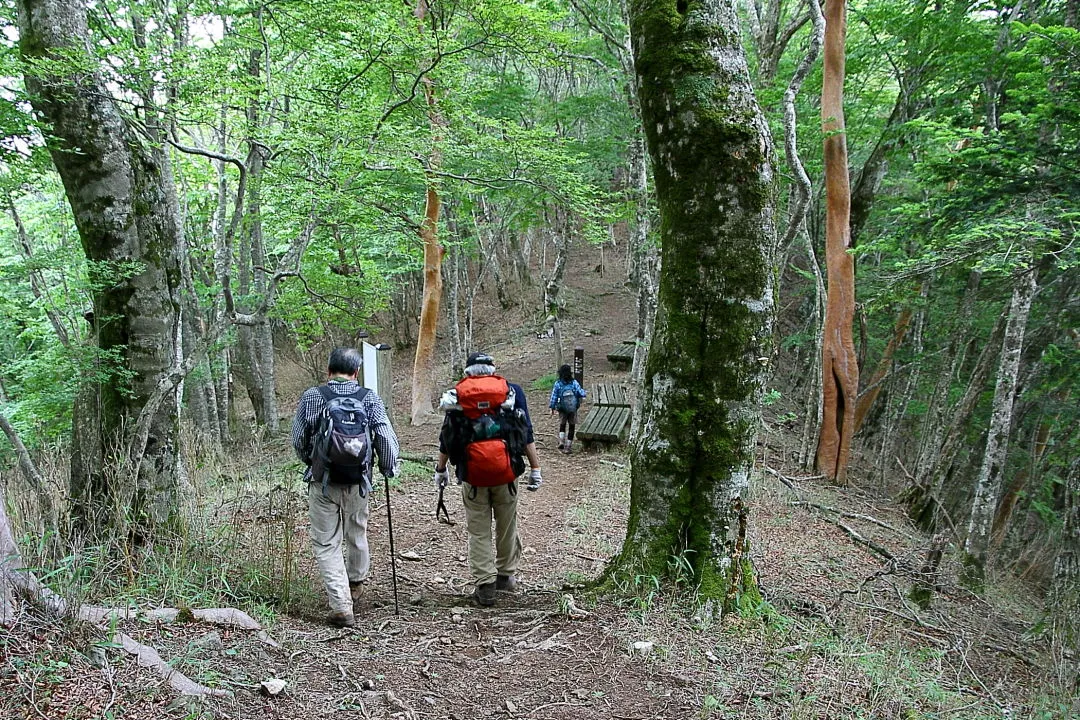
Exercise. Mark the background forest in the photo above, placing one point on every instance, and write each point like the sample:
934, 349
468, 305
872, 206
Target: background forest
312, 167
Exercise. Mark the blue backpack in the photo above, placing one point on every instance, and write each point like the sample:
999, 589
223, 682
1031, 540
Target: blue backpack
568, 401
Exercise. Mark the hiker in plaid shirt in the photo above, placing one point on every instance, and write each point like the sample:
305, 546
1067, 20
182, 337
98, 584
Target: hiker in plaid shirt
340, 512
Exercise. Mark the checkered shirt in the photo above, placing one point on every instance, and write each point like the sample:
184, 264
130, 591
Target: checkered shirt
383, 436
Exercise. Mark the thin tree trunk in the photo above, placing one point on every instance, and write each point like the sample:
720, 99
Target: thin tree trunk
1064, 601
991, 472
30, 472
553, 286
895, 415
999, 528
924, 498
933, 430
839, 367
811, 431
801, 185
873, 388
38, 286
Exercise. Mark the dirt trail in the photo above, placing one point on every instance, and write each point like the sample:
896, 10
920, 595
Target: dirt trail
836, 639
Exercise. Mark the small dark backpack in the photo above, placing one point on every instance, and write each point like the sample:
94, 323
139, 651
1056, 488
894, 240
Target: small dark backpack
341, 446
568, 401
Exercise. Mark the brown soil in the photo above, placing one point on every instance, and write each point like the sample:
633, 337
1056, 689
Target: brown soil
837, 637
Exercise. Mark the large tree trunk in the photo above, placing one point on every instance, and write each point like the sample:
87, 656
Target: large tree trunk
839, 367
125, 209
991, 472
712, 156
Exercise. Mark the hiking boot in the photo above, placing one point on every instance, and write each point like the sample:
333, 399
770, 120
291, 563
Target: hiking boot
485, 594
506, 583
356, 590
568, 449
341, 619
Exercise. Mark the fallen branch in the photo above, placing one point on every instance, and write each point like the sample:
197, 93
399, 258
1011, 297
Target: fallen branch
876, 547
789, 481
850, 515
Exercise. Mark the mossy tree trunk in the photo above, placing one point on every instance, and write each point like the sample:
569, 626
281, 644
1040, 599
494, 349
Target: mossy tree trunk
713, 162
125, 209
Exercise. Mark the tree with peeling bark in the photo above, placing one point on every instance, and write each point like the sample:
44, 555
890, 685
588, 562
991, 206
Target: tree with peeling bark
713, 160
423, 379
121, 193
839, 366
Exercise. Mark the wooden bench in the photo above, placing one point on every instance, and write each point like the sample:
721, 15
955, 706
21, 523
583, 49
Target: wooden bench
623, 354
610, 394
604, 424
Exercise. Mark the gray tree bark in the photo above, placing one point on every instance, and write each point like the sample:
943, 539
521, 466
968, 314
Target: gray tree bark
1064, 600
991, 472
126, 212
713, 162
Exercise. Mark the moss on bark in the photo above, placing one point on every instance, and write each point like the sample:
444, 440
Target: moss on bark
712, 158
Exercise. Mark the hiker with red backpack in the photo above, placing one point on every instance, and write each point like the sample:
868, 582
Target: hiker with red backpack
485, 432
336, 428
566, 397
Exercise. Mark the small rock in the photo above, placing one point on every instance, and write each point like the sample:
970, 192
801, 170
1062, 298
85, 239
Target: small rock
510, 706
98, 657
530, 550
272, 687
642, 647
367, 684
438, 579
429, 700
409, 555
580, 693
461, 558
210, 641
456, 618
445, 640
416, 599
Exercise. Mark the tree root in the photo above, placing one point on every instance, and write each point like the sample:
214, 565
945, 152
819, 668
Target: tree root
148, 657
145, 655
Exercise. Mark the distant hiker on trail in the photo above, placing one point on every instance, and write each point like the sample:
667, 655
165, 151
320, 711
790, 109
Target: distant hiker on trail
566, 397
484, 434
337, 425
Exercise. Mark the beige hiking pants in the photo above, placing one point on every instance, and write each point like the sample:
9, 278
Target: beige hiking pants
341, 514
488, 503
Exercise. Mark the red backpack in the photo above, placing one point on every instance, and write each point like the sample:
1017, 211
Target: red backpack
487, 456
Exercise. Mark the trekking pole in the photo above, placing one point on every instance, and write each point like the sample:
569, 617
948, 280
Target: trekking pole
393, 559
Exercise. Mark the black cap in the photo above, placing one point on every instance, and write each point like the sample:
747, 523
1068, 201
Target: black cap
479, 358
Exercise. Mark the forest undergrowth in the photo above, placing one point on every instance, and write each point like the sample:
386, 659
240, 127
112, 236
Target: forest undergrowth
837, 635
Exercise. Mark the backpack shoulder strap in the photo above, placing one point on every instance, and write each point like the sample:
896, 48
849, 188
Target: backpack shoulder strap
329, 394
